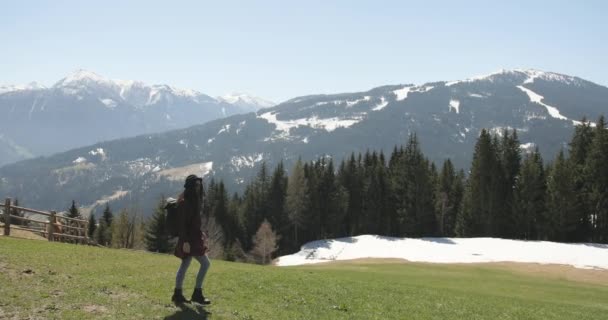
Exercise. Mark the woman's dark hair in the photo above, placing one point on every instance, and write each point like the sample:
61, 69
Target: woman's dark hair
193, 199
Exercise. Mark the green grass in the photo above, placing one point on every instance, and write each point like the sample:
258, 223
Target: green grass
42, 280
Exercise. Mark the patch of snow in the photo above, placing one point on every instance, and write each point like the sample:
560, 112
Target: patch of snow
116, 195
499, 130
450, 250
180, 173
141, 166
405, 91
527, 75
80, 160
241, 99
26, 87
383, 103
97, 151
210, 140
241, 126
527, 146
534, 74
402, 93
354, 102
328, 124
475, 95
225, 128
534, 97
100, 152
108, 103
533, 115
246, 161
305, 140
454, 104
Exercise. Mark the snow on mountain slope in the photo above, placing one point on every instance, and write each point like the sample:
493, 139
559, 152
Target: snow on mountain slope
451, 250
14, 88
246, 100
526, 75
553, 111
328, 124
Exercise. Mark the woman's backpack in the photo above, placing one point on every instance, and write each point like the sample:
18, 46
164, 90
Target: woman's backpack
172, 219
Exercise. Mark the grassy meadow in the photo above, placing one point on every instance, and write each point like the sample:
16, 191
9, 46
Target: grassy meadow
43, 280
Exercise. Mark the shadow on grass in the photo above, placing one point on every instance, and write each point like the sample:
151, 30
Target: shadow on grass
189, 312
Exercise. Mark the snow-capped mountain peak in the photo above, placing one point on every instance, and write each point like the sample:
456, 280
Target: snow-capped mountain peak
243, 99
521, 76
30, 86
81, 76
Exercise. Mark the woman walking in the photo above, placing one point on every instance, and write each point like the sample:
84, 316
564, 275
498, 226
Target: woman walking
192, 243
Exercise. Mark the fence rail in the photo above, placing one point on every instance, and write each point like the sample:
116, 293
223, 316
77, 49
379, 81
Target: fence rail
53, 229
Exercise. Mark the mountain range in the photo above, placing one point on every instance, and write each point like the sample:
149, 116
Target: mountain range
447, 117
84, 108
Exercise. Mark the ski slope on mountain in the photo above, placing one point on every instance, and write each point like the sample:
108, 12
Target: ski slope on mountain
451, 250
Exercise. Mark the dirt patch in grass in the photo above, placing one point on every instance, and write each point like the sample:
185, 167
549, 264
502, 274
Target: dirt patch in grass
552, 271
24, 234
555, 271
92, 308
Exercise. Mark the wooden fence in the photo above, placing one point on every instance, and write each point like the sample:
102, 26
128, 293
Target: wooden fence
53, 229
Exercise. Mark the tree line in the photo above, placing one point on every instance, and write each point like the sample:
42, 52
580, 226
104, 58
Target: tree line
507, 193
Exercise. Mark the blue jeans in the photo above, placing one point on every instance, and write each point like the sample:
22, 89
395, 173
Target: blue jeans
200, 276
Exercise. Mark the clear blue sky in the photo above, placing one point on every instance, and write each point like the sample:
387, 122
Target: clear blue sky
282, 49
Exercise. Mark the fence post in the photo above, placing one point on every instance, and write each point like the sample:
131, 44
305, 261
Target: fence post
86, 232
52, 226
7, 217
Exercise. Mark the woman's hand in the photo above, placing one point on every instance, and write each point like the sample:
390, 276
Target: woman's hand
186, 247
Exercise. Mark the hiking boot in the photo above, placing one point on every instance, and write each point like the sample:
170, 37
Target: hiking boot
178, 297
197, 296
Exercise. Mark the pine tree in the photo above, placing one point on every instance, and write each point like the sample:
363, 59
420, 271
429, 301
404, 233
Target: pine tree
579, 149
413, 185
73, 212
596, 174
580, 143
157, 238
564, 214
351, 180
265, 243
103, 233
530, 194
104, 237
475, 218
277, 215
447, 199
107, 215
222, 217
312, 215
510, 161
92, 225
297, 198
338, 211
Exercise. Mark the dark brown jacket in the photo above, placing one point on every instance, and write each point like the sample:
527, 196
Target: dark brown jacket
189, 230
